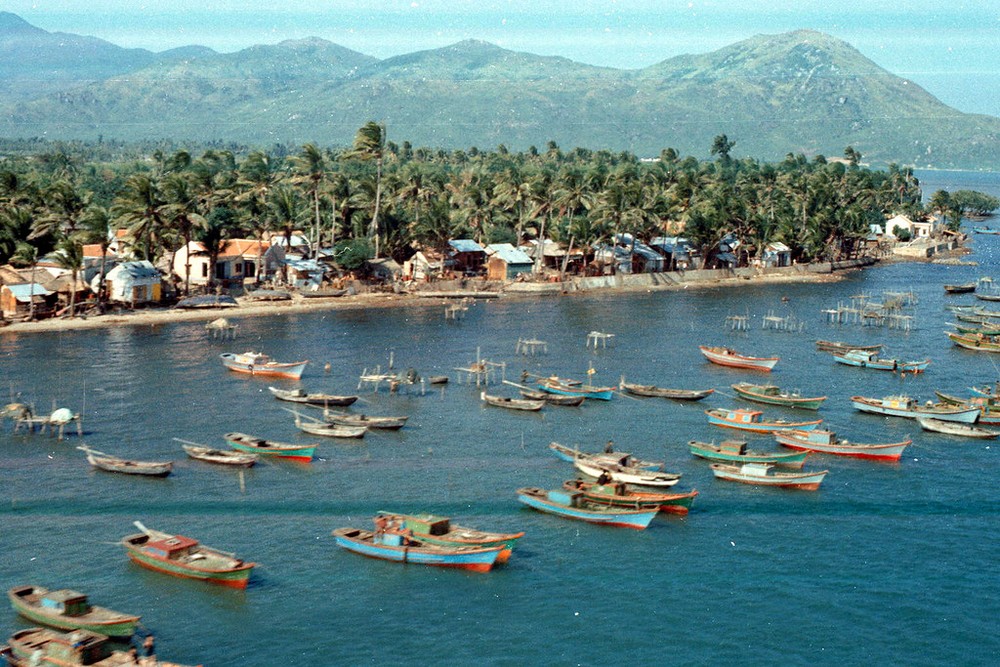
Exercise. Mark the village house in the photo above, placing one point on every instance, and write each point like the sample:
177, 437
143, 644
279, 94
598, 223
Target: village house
916, 230
554, 256
237, 262
776, 254
16, 301
425, 265
133, 283
505, 262
676, 251
468, 256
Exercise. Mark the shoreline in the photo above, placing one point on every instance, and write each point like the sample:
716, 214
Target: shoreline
154, 316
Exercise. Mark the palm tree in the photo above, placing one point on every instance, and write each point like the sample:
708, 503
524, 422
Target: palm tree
287, 213
96, 228
369, 144
69, 255
181, 215
140, 207
310, 167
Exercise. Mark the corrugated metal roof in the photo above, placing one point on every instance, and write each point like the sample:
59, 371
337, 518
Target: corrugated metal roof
778, 246
466, 245
509, 253
140, 269
23, 291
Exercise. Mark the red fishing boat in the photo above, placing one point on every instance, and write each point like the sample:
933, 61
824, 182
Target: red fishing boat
725, 356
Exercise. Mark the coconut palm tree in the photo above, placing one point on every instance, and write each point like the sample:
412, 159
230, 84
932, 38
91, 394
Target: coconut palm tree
182, 216
140, 208
287, 213
369, 145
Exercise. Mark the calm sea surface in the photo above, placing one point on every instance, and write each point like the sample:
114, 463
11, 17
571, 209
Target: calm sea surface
886, 564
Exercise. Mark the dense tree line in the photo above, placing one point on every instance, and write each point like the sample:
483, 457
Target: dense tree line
378, 198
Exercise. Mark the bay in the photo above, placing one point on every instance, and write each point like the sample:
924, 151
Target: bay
886, 563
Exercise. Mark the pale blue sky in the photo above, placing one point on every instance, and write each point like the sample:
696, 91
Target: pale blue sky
949, 48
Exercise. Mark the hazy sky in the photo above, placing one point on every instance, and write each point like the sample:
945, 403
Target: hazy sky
950, 48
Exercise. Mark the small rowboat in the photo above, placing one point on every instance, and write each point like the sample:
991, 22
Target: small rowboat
299, 396
111, 463
752, 420
772, 395
401, 548
963, 288
594, 467
255, 363
366, 421
69, 610
574, 506
724, 356
652, 391
623, 495
863, 359
826, 442
526, 404
952, 428
553, 399
904, 406
838, 347
262, 447
567, 388
570, 455
41, 646
220, 456
760, 474
187, 558
735, 451
439, 530
330, 430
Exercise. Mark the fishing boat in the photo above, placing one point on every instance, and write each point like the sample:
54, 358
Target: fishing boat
839, 347
33, 647
299, 396
620, 472
773, 395
652, 391
525, 404
262, 447
623, 495
985, 230
69, 610
573, 505
111, 463
980, 327
962, 288
569, 454
904, 406
736, 451
753, 420
256, 363
366, 421
977, 342
220, 456
953, 428
725, 356
826, 442
401, 548
187, 558
760, 474
439, 530
863, 359
553, 385
553, 399
327, 430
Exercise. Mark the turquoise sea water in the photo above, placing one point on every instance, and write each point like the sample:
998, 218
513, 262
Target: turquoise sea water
885, 564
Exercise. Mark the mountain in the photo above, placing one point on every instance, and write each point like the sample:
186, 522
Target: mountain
801, 91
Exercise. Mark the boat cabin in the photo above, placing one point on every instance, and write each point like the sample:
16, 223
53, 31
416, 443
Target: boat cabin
66, 602
741, 416
733, 447
428, 524
80, 647
567, 498
172, 548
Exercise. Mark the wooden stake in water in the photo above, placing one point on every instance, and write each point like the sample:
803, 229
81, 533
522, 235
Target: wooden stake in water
243, 483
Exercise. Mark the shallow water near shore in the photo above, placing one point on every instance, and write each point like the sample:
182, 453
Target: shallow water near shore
885, 563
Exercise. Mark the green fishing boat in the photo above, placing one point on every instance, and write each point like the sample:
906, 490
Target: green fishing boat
773, 395
735, 451
69, 610
184, 557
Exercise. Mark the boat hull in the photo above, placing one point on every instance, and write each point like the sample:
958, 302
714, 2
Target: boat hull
705, 451
634, 476
234, 578
863, 361
813, 442
875, 406
974, 342
124, 626
302, 453
726, 357
599, 393
474, 560
635, 519
717, 418
752, 393
668, 503
290, 371
803, 482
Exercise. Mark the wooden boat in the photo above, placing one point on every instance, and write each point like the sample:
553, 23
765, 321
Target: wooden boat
760, 474
437, 379
570, 455
299, 396
620, 472
323, 293
952, 428
963, 288
980, 327
988, 296
752, 420
366, 421
327, 430
111, 463
525, 404
220, 456
863, 359
184, 557
401, 548
977, 342
725, 356
623, 495
735, 451
575, 506
773, 395
255, 363
439, 530
557, 386
36, 647
652, 391
836, 346
985, 230
826, 442
262, 447
553, 399
904, 406
69, 610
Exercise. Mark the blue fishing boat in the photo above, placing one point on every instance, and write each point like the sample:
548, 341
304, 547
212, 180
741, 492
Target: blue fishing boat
574, 505
866, 359
399, 546
555, 386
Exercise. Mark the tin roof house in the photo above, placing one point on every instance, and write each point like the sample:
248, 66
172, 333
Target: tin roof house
469, 256
133, 283
505, 262
16, 300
